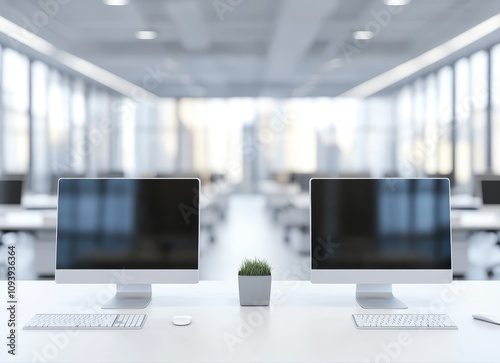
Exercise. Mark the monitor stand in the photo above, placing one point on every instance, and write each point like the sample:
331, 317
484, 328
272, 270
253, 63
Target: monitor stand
375, 296
133, 296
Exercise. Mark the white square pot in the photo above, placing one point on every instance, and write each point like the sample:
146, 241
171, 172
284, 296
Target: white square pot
254, 290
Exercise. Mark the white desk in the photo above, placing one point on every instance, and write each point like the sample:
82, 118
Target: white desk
19, 219
305, 323
39, 201
475, 220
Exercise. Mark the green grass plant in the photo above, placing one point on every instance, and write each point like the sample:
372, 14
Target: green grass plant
255, 267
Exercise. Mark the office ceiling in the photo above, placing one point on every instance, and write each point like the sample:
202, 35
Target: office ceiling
248, 47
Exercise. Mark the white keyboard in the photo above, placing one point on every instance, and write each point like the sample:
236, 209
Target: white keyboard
403, 321
86, 321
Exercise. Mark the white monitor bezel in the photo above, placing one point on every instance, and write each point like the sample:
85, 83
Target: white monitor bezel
126, 276
379, 276
129, 276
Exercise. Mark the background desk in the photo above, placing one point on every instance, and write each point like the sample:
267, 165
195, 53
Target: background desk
42, 224
464, 223
305, 323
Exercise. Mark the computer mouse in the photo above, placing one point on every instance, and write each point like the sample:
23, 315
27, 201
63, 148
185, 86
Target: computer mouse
182, 320
493, 319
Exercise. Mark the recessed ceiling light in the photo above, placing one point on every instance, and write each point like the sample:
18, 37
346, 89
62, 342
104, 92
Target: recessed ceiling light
396, 2
362, 35
146, 34
115, 2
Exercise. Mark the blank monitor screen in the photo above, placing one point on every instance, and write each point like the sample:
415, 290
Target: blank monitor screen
380, 224
11, 192
490, 190
127, 224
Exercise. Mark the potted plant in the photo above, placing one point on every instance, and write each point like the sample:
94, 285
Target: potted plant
254, 281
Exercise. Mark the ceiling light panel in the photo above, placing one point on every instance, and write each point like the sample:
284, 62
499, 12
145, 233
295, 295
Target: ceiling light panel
146, 34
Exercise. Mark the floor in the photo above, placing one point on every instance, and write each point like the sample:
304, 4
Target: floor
250, 232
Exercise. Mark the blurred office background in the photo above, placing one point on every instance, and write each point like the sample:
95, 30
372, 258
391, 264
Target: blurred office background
254, 97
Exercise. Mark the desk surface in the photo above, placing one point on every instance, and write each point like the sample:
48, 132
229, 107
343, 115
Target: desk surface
27, 220
305, 323
475, 220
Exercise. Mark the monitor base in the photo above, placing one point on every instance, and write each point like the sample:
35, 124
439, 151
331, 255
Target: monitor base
133, 296
377, 296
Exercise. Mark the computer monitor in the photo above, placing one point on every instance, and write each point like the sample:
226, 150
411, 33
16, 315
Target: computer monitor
130, 232
11, 192
478, 180
490, 192
379, 232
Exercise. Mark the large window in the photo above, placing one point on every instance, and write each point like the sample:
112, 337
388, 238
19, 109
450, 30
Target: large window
405, 162
117, 112
463, 151
78, 114
349, 128
216, 136
98, 130
58, 122
15, 120
128, 119
445, 118
430, 141
271, 124
375, 123
450, 102
418, 152
78, 127
479, 101
495, 97
300, 135
40, 162
100, 133
146, 128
